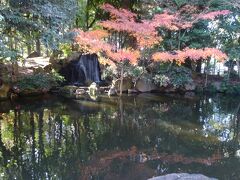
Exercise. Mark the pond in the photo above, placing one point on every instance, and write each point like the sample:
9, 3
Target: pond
133, 137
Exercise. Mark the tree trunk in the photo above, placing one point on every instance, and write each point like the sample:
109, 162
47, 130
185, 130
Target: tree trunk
188, 63
14, 71
230, 70
40, 138
15, 43
47, 52
33, 148
199, 66
87, 15
127, 4
206, 80
121, 83
238, 67
38, 46
214, 70
121, 110
29, 49
206, 73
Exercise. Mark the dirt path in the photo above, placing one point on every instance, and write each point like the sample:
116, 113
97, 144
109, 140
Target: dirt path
28, 66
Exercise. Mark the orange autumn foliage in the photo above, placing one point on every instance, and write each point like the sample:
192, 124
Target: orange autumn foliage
213, 15
146, 35
125, 54
92, 41
125, 21
193, 54
176, 22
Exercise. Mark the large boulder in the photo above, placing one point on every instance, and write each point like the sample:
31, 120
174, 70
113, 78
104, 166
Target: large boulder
144, 85
182, 176
127, 84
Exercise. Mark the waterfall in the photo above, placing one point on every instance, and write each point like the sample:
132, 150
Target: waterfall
88, 65
82, 71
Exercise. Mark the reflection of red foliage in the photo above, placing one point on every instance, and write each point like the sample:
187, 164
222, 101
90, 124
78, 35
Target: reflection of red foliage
103, 160
178, 158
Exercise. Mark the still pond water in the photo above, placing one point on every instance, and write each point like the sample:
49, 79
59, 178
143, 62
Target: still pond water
136, 137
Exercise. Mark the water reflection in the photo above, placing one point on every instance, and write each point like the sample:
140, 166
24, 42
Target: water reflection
133, 137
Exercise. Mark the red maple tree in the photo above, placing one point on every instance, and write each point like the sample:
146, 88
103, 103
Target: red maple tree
144, 34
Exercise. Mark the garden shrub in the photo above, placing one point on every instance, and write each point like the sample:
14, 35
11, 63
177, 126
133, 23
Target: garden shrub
176, 76
40, 81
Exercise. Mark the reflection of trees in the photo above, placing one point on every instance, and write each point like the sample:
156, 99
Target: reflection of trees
222, 120
56, 140
5, 152
234, 145
236, 124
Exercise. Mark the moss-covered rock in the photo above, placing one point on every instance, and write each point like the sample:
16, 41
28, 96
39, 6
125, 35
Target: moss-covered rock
145, 85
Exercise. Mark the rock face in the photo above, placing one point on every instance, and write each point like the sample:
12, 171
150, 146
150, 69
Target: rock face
127, 84
182, 176
143, 85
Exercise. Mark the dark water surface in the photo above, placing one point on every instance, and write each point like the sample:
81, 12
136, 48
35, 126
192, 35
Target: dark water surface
136, 137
